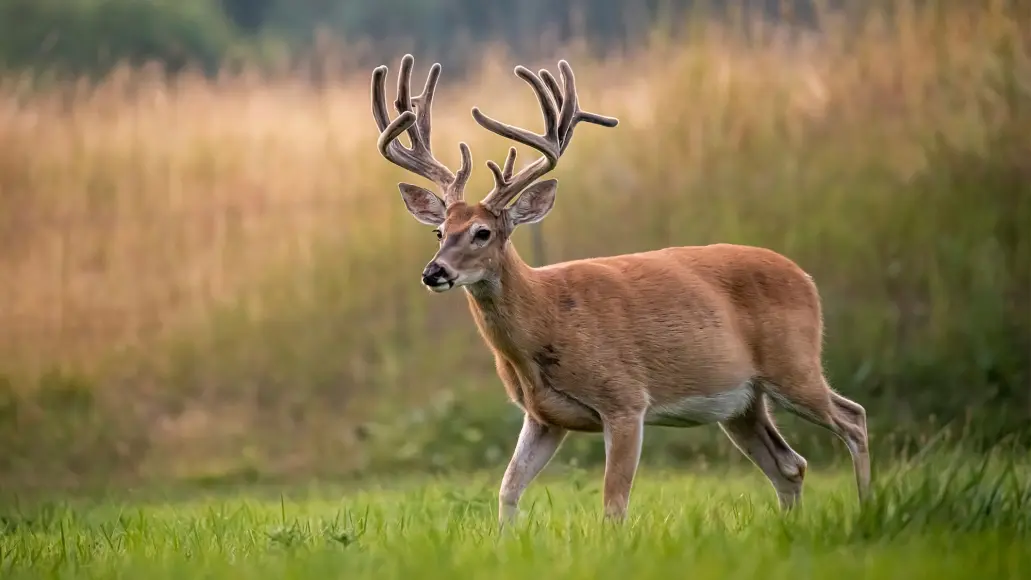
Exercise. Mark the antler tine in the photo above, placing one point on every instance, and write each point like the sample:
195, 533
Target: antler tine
503, 176
561, 111
465, 170
389, 135
403, 102
571, 113
415, 118
509, 163
424, 103
379, 103
549, 79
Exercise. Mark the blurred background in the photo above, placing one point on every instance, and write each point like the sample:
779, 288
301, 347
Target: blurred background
207, 274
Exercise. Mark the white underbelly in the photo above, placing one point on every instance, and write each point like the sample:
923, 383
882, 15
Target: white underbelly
701, 410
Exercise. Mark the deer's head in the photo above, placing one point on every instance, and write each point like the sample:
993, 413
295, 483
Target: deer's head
472, 237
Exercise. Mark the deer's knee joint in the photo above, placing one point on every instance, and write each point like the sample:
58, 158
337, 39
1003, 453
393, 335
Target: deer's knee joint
795, 470
509, 497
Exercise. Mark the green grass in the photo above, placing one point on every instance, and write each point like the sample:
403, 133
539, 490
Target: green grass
968, 518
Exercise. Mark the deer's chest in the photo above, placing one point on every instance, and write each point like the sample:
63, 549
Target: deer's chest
538, 387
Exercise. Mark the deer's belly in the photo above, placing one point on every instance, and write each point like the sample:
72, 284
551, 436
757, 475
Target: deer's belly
702, 409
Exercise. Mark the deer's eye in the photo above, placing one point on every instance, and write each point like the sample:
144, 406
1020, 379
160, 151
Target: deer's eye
482, 235
439, 234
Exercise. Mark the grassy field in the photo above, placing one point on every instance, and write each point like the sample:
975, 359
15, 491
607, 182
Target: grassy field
961, 518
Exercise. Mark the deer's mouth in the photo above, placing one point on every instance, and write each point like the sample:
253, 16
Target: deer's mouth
440, 285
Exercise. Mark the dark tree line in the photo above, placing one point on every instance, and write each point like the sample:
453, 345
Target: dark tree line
90, 36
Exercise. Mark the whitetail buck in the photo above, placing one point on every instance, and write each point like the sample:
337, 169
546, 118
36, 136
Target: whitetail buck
677, 337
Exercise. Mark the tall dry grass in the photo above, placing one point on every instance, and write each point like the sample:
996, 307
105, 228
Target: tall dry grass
229, 265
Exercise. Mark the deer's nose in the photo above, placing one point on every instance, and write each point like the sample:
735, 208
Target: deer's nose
435, 274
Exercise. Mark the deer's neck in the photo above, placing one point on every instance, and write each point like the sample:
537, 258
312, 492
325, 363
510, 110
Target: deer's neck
509, 308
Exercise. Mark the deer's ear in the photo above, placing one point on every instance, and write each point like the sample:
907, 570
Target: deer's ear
422, 203
534, 203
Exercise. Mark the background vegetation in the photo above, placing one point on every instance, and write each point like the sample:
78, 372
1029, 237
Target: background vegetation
207, 273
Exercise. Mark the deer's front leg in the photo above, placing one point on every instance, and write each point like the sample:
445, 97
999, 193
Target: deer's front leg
623, 438
536, 446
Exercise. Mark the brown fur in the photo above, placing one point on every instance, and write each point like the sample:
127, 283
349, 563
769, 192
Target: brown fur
679, 336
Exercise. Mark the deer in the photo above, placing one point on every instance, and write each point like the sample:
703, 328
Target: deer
673, 337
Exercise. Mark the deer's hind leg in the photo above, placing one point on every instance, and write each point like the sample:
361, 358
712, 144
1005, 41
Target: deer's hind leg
755, 434
812, 399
